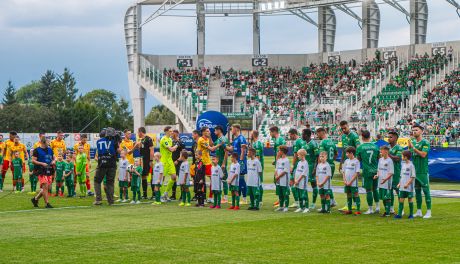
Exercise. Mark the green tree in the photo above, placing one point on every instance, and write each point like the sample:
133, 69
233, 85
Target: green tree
66, 88
9, 97
28, 93
160, 115
46, 90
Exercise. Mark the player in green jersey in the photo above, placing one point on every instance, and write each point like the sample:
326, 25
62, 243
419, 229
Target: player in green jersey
17, 165
259, 148
219, 147
396, 155
298, 144
68, 175
368, 154
312, 149
166, 150
420, 148
277, 142
349, 139
80, 169
328, 146
60, 166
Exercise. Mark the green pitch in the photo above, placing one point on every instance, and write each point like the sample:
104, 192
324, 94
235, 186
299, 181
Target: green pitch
76, 232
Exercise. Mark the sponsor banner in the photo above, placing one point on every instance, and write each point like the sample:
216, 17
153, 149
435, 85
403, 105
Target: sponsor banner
211, 119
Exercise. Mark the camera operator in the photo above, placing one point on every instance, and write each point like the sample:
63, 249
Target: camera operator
107, 150
146, 150
43, 160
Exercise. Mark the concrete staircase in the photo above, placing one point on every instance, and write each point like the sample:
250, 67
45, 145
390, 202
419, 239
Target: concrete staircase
214, 94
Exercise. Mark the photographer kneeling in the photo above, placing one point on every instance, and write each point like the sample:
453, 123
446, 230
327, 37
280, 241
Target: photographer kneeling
107, 150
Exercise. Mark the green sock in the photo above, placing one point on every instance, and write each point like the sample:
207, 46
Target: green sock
82, 192
126, 194
295, 194
225, 187
261, 193
286, 201
387, 204
157, 196
57, 189
183, 196
376, 196
1, 183
357, 201
401, 208
62, 188
323, 204
332, 195
19, 185
349, 203
134, 196
426, 192
233, 199
215, 198
306, 201
301, 204
315, 194
237, 198
369, 199
328, 205
121, 193
257, 197
218, 198
188, 197
411, 208
392, 197
418, 198
281, 200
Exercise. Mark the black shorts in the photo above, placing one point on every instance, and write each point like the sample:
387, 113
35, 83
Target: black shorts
146, 167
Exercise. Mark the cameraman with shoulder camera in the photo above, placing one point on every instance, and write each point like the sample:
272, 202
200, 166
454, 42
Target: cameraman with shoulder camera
107, 150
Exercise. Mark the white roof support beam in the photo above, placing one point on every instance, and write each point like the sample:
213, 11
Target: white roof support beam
344, 8
456, 5
164, 7
304, 16
399, 7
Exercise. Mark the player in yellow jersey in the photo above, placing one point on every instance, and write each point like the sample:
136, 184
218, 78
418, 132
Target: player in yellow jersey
7, 155
205, 145
38, 144
2, 147
22, 150
58, 144
86, 149
166, 150
128, 145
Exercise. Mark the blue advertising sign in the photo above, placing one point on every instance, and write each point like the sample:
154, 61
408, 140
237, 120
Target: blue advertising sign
211, 119
187, 139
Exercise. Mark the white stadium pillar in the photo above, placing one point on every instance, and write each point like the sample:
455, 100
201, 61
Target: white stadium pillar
256, 30
418, 21
201, 29
371, 24
326, 29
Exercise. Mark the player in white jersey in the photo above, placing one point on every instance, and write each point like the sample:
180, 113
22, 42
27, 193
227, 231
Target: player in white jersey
350, 173
123, 177
301, 181
157, 178
184, 178
283, 167
216, 182
254, 182
234, 182
406, 184
385, 175
323, 178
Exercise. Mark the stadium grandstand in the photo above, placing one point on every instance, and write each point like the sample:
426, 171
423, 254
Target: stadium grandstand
374, 87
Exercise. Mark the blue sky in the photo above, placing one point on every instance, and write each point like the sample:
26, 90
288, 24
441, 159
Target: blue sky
87, 37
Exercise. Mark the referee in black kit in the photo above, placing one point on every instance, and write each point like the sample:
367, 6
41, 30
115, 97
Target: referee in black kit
145, 146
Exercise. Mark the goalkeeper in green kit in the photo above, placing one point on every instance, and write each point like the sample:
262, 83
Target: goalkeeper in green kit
368, 154
420, 148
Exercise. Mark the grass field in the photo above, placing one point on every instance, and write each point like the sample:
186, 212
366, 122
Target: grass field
76, 232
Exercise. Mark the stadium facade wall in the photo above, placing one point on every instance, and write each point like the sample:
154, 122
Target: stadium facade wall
297, 61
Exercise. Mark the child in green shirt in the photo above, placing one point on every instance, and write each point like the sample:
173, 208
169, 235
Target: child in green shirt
60, 166
68, 176
17, 164
80, 166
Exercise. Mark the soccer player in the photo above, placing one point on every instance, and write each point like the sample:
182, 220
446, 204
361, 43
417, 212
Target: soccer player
37, 144
86, 148
17, 165
69, 176
205, 147
175, 157
200, 179
259, 148
33, 179
384, 176
157, 178
328, 146
368, 154
184, 178
350, 175
420, 148
233, 181
282, 178
349, 139
166, 150
146, 150
406, 185
58, 146
216, 182
2, 147
277, 142
7, 157
80, 169
23, 155
219, 147
128, 146
298, 144
123, 176
59, 176
323, 178
312, 149
301, 181
240, 146
254, 179
395, 154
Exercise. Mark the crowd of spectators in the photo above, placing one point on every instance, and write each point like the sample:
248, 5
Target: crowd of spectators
196, 80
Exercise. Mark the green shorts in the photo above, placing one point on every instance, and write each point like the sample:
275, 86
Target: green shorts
184, 185
81, 178
60, 179
135, 188
284, 190
350, 189
323, 191
385, 194
253, 190
234, 188
404, 194
370, 184
123, 184
17, 176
